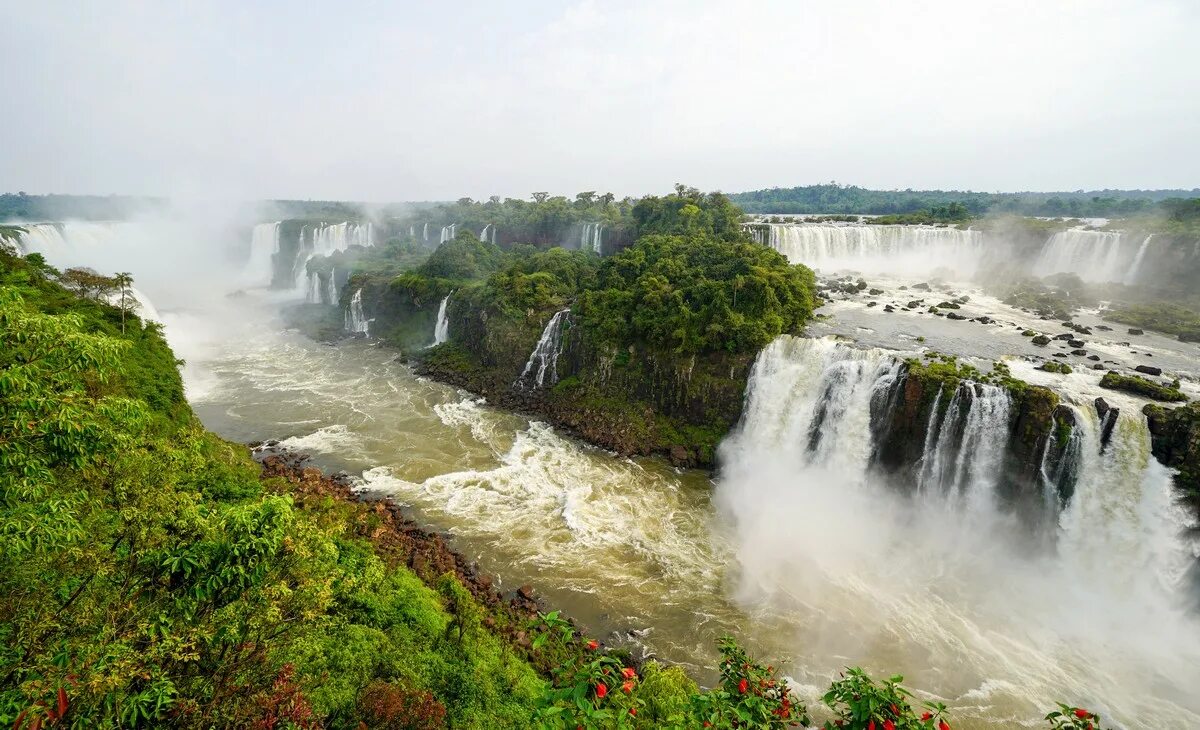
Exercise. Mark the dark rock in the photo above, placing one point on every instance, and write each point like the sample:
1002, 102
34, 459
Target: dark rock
526, 592
913, 305
1108, 420
954, 315
872, 304
1135, 331
986, 320
1064, 337
922, 286
889, 309
1148, 370
1097, 366
1076, 343
680, 456
875, 292
1041, 340
1093, 357
1104, 328
1079, 353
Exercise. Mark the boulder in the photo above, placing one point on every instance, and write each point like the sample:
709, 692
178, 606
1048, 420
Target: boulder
954, 315
1064, 337
1135, 331
1149, 370
1079, 353
1076, 343
1041, 340
1108, 420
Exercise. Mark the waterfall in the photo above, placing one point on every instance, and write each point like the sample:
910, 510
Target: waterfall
1092, 255
1131, 277
441, 330
483, 233
412, 231
591, 236
313, 295
264, 244
448, 233
545, 353
332, 237
356, 319
425, 231
493, 234
331, 291
44, 238
890, 249
964, 449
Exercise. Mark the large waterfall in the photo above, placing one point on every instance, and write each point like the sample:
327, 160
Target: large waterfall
878, 249
1132, 275
356, 319
544, 358
1092, 255
325, 239
264, 244
441, 329
448, 233
943, 582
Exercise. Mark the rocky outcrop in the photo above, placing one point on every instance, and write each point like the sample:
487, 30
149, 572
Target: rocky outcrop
1175, 441
631, 401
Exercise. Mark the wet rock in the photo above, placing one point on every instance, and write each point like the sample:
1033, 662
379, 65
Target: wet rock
1093, 357
913, 305
1079, 353
526, 592
680, 456
1097, 366
1064, 337
872, 304
1135, 331
1108, 420
889, 309
875, 292
1041, 340
986, 320
954, 315
1148, 370
1104, 328
1076, 343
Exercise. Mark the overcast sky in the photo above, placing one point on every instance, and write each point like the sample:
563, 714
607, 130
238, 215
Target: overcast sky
391, 101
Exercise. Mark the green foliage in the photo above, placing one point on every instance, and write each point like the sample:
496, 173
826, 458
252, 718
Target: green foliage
1174, 319
696, 294
750, 695
464, 258
1141, 386
688, 212
1067, 717
861, 703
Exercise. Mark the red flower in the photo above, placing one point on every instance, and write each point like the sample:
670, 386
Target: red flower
601, 690
633, 711
943, 725
1082, 714
628, 686
889, 725
628, 673
593, 645
871, 724
927, 716
743, 686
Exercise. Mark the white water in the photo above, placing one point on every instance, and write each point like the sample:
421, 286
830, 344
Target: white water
447, 233
264, 244
871, 249
331, 292
591, 237
323, 240
1092, 255
441, 329
943, 588
356, 320
425, 231
483, 232
545, 354
1131, 277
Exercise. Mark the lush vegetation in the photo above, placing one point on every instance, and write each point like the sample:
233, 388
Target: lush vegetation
23, 207
1168, 317
834, 198
1142, 386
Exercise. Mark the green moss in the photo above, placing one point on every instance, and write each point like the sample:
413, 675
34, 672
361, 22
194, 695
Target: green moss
1141, 386
1052, 366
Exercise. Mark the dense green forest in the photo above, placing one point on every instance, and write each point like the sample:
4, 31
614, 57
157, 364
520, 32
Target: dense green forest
834, 198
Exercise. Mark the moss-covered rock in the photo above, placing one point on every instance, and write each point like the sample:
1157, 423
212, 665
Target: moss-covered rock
1175, 440
1141, 386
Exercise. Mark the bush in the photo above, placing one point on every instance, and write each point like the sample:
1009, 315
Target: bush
389, 706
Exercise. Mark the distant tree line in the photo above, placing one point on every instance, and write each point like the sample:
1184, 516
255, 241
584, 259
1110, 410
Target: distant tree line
834, 198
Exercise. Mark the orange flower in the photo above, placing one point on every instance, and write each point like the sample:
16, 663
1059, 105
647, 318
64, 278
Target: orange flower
593, 645
627, 687
633, 711
628, 673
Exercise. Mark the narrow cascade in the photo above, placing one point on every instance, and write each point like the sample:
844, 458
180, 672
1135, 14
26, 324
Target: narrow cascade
1131, 277
1061, 462
448, 233
412, 231
313, 296
356, 319
1092, 255
483, 232
545, 353
331, 292
591, 237
876, 249
441, 330
493, 234
425, 231
264, 244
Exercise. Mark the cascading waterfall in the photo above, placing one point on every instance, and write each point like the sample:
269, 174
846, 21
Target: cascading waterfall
313, 295
327, 239
833, 560
425, 231
483, 232
441, 330
544, 358
1092, 255
264, 245
591, 237
331, 292
448, 233
878, 249
1131, 277
356, 319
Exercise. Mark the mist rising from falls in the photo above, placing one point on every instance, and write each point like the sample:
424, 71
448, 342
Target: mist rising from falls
1092, 255
942, 584
877, 249
441, 329
544, 358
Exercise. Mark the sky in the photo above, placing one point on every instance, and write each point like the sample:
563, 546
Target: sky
391, 101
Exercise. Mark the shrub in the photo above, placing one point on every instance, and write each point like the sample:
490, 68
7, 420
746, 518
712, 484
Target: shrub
389, 706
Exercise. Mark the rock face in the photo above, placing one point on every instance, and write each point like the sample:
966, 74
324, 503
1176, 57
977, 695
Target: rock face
1108, 421
1175, 441
901, 423
632, 401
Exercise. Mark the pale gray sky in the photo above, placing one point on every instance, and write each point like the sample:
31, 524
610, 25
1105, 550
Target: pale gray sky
399, 101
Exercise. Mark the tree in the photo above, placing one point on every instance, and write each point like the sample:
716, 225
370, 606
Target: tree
124, 280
